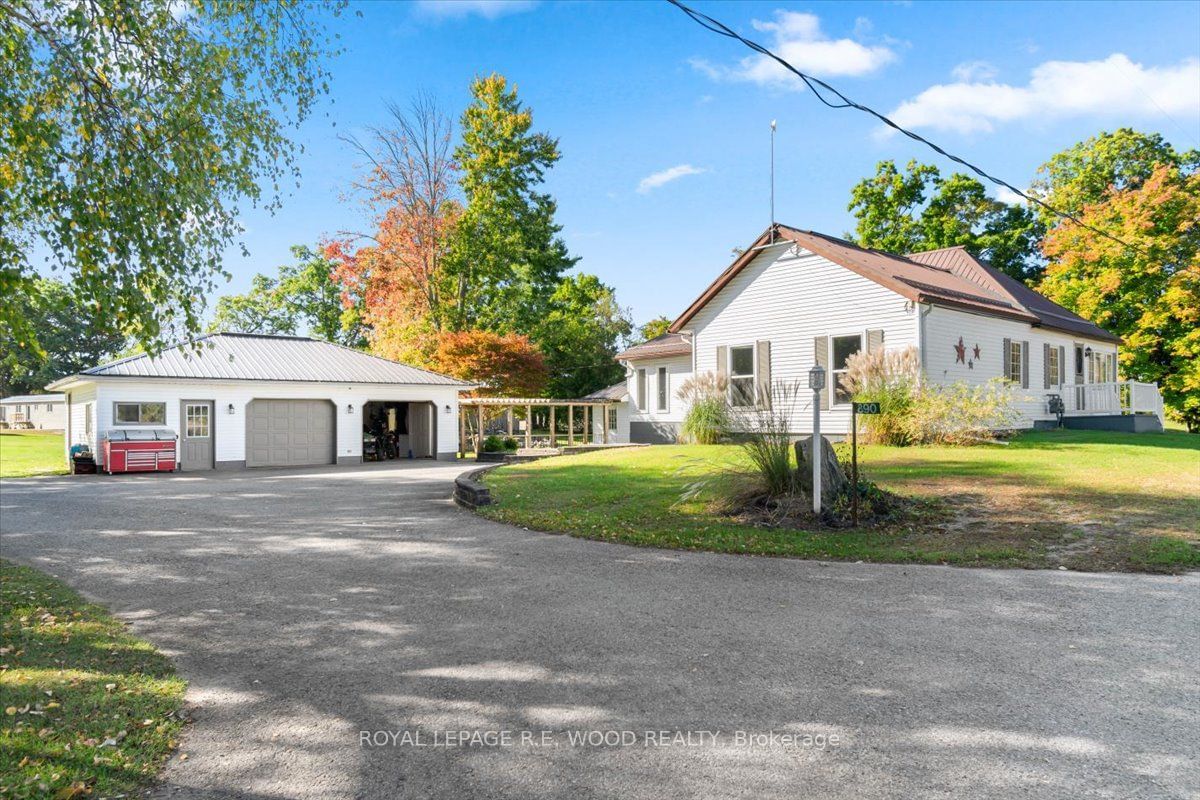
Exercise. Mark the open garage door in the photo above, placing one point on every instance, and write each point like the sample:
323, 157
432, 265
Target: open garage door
289, 433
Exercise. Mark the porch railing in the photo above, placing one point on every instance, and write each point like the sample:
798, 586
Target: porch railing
1118, 397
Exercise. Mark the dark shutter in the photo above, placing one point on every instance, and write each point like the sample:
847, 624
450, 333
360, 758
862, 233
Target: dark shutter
722, 361
1007, 371
874, 340
1024, 365
762, 371
1062, 364
821, 358
1045, 365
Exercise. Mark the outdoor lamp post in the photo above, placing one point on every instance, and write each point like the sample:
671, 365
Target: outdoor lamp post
816, 382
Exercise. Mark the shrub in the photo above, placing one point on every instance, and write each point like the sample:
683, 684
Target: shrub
707, 418
960, 413
493, 444
510, 443
891, 378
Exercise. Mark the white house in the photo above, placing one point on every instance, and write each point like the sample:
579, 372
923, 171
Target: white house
795, 298
251, 400
46, 412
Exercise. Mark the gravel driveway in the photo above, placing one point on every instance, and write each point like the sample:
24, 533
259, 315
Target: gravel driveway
309, 607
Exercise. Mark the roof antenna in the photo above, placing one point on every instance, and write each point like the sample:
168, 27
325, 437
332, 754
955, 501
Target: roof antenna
772, 228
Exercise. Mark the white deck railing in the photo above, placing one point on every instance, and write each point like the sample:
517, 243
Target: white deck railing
1118, 397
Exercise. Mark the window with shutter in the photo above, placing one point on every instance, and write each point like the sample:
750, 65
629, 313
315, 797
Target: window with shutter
842, 348
741, 376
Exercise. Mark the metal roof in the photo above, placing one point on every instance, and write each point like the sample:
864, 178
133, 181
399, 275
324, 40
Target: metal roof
35, 398
1051, 314
259, 357
615, 392
668, 344
936, 277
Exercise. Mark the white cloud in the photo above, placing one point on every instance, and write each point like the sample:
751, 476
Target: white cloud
797, 38
1009, 197
458, 9
663, 177
973, 71
1115, 85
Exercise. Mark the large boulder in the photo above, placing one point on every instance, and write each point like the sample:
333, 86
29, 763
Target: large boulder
833, 478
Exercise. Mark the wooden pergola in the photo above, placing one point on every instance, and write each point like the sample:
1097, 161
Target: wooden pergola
587, 411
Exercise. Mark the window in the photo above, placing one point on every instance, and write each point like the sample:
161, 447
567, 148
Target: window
1079, 359
741, 376
662, 388
197, 421
140, 413
843, 348
49, 407
641, 390
1014, 362
1052, 365
612, 419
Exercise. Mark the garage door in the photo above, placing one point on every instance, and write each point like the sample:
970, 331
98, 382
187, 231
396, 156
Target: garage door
289, 433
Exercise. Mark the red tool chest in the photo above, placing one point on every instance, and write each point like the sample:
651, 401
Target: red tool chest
139, 450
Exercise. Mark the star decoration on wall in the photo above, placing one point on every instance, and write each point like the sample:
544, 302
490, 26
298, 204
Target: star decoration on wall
976, 352
960, 352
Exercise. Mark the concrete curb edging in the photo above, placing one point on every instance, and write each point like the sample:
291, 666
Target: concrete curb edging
469, 492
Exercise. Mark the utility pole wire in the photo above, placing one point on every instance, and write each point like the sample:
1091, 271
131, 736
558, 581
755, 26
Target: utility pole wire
718, 27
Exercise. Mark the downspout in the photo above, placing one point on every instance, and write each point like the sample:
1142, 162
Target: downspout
923, 310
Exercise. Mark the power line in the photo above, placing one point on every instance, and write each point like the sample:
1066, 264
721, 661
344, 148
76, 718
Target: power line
720, 28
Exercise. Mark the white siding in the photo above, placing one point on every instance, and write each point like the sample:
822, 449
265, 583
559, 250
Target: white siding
230, 428
621, 434
679, 369
789, 299
944, 326
82, 402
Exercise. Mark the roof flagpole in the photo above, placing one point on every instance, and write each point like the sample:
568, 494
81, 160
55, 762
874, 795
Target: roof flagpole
772, 228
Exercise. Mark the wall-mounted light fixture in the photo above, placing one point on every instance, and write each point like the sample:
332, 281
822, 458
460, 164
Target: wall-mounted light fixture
231, 408
1087, 351
349, 408
447, 408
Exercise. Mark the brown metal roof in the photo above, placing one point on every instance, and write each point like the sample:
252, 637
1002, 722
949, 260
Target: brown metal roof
938, 279
668, 344
1049, 313
614, 392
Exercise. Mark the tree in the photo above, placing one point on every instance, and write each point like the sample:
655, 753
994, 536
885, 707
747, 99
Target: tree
654, 328
505, 365
507, 257
72, 338
580, 337
919, 209
305, 297
1084, 174
401, 273
260, 310
130, 133
1149, 293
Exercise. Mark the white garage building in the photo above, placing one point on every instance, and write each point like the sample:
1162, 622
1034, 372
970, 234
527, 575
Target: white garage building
252, 400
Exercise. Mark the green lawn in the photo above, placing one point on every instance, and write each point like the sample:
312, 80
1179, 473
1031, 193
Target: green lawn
88, 709
1080, 499
27, 453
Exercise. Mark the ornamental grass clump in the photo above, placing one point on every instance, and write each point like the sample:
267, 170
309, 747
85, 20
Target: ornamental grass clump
707, 419
961, 413
766, 439
891, 378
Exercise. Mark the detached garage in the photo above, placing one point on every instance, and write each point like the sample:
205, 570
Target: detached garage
250, 400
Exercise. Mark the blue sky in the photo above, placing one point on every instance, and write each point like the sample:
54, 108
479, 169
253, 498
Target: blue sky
663, 126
